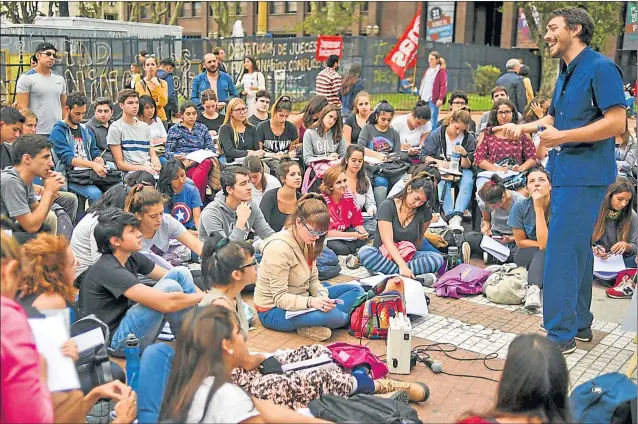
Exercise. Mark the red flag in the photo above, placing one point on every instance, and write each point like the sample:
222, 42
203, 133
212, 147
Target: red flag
403, 54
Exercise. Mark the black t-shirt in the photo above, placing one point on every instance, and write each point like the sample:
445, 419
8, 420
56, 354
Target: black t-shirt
211, 124
388, 212
254, 121
270, 208
276, 143
79, 149
356, 129
239, 148
104, 284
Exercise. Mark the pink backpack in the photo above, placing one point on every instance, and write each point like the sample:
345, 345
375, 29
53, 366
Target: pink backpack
349, 356
319, 167
462, 280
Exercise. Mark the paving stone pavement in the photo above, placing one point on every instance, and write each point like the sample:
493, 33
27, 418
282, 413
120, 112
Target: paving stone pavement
478, 328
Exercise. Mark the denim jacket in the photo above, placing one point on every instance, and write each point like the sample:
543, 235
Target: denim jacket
226, 89
64, 145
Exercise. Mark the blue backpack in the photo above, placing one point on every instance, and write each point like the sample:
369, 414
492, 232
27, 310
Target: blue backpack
607, 398
328, 264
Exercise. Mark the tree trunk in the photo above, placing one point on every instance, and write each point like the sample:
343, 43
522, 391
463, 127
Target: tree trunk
178, 8
134, 14
51, 4
549, 73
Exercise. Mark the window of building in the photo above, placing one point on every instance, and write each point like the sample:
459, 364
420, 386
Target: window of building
143, 12
320, 5
276, 7
110, 16
291, 7
196, 8
181, 11
238, 8
365, 6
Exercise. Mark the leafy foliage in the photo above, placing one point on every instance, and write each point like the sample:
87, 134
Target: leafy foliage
23, 12
221, 15
329, 18
485, 78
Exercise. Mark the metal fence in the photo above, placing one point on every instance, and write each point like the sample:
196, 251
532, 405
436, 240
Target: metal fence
101, 66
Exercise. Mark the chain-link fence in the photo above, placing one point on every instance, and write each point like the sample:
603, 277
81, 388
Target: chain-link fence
101, 66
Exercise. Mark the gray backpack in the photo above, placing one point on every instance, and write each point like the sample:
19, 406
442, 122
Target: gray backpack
506, 285
65, 225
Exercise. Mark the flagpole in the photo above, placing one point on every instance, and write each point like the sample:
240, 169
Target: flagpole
416, 62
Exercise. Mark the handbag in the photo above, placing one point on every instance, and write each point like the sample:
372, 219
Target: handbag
406, 249
90, 177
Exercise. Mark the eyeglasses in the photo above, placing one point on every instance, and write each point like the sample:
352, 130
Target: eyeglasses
504, 112
253, 263
312, 232
54, 54
241, 110
459, 103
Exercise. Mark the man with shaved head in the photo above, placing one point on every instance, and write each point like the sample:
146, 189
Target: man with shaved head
212, 78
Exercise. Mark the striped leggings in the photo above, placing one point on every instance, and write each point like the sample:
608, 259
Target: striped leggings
421, 263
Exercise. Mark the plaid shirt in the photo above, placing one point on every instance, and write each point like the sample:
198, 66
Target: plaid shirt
181, 140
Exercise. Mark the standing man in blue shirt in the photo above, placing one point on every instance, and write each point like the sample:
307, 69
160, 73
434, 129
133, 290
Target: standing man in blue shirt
218, 81
586, 113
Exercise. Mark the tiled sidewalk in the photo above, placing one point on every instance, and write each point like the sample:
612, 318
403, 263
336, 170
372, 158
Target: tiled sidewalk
477, 327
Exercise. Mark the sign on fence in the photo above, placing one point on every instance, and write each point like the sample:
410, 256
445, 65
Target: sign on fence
328, 45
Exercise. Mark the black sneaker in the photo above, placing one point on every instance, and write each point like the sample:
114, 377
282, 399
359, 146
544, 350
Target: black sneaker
567, 348
584, 335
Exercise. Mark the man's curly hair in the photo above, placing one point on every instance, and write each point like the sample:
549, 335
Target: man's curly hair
43, 267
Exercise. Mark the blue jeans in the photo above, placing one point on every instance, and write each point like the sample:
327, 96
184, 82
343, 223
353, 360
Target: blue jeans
90, 192
465, 186
155, 368
569, 261
435, 114
275, 318
630, 102
146, 323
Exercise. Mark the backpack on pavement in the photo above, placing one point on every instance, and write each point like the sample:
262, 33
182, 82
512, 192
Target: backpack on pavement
506, 285
350, 356
607, 398
65, 225
370, 315
463, 280
328, 264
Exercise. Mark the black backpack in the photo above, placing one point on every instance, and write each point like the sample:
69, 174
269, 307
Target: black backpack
65, 225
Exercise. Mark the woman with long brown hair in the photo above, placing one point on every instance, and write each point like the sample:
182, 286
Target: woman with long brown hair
351, 86
325, 137
309, 114
434, 85
616, 229
357, 120
237, 137
288, 277
153, 86
211, 345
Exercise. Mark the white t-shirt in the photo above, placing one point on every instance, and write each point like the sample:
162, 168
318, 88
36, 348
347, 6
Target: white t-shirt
408, 136
449, 144
271, 183
230, 404
83, 243
157, 129
169, 230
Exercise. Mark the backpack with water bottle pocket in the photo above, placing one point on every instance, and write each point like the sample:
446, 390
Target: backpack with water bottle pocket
370, 315
608, 398
462, 280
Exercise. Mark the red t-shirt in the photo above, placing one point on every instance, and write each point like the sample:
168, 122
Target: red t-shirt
345, 213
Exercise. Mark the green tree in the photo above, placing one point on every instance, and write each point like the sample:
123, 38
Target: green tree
221, 14
329, 18
23, 12
608, 21
91, 9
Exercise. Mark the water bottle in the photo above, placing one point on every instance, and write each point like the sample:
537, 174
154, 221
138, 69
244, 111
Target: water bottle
455, 160
132, 351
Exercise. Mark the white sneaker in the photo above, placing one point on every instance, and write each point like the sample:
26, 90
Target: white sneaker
532, 297
456, 223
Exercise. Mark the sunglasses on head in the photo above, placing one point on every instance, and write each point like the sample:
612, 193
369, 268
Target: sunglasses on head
311, 231
284, 99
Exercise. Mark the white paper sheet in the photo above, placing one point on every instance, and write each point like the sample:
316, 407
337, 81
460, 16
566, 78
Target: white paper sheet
444, 171
415, 303
613, 264
50, 334
200, 155
339, 238
89, 339
496, 249
502, 174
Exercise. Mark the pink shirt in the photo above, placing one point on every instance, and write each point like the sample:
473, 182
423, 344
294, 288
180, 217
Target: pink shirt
344, 214
494, 149
25, 398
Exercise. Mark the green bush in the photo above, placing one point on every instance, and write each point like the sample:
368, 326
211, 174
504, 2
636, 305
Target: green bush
485, 78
